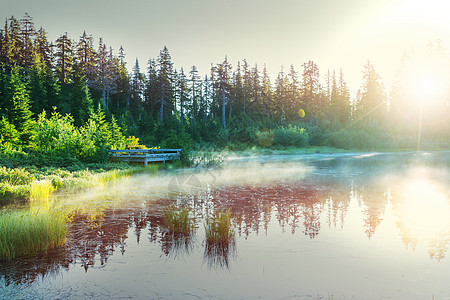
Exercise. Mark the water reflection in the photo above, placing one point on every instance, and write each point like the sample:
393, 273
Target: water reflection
219, 254
298, 202
423, 205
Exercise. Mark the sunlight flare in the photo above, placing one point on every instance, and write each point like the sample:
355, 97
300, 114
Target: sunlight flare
425, 78
425, 208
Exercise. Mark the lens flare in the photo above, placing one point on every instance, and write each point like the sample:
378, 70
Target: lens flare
301, 113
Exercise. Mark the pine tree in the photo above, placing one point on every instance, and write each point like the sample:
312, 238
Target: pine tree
313, 100
19, 112
81, 102
237, 94
137, 89
206, 100
267, 93
64, 58
87, 57
247, 83
43, 48
165, 80
183, 96
15, 44
9, 136
293, 98
195, 92
27, 33
281, 95
222, 84
152, 88
372, 106
255, 106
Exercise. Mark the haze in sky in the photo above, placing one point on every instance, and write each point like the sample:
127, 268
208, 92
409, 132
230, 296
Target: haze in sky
335, 34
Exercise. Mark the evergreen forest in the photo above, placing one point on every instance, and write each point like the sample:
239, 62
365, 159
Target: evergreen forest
74, 99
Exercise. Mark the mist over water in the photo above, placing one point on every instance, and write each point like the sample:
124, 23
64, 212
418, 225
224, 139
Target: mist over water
362, 226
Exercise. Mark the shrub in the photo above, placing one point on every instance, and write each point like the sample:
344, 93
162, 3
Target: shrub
291, 136
265, 137
9, 136
15, 176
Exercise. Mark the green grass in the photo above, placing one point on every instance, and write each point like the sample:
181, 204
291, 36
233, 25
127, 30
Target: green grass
220, 240
20, 183
24, 232
219, 227
40, 191
178, 221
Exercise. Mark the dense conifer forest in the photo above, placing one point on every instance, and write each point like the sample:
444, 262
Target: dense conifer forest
73, 98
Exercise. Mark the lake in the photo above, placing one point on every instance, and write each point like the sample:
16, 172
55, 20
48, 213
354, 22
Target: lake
319, 226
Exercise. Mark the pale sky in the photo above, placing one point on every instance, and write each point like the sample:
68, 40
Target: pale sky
333, 33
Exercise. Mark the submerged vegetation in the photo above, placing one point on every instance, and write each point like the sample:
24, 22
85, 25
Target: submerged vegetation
25, 232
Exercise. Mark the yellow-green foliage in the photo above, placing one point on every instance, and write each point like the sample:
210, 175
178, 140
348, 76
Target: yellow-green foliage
15, 176
24, 232
178, 221
219, 227
41, 190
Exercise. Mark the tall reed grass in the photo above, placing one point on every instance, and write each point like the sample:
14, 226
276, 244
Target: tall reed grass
41, 191
219, 227
25, 232
220, 239
178, 220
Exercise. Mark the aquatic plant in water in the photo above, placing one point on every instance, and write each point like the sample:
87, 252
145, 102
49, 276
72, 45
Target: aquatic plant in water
25, 232
178, 221
220, 239
219, 228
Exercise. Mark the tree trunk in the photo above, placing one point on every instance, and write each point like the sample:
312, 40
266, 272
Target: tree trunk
161, 110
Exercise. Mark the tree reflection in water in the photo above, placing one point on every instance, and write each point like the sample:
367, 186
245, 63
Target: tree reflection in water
307, 206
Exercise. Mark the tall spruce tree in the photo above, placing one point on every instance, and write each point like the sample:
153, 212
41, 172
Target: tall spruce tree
27, 33
64, 58
18, 101
165, 80
372, 106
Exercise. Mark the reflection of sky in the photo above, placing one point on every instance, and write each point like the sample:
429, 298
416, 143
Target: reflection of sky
305, 233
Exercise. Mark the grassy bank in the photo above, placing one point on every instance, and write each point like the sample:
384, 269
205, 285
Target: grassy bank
25, 232
32, 183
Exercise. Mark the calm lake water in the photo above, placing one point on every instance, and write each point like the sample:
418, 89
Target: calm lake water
344, 226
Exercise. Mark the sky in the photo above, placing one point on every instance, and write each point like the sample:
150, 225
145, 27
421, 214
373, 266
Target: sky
335, 34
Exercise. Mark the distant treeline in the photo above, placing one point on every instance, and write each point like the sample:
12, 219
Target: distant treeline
178, 108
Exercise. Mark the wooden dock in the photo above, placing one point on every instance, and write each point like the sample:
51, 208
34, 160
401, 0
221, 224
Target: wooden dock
146, 155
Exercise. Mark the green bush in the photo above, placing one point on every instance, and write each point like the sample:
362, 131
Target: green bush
360, 139
291, 136
9, 192
265, 138
15, 176
222, 137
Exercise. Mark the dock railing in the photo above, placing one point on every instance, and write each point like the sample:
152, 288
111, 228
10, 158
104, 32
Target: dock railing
146, 155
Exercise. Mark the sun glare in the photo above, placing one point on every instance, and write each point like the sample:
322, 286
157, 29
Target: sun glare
425, 208
424, 79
